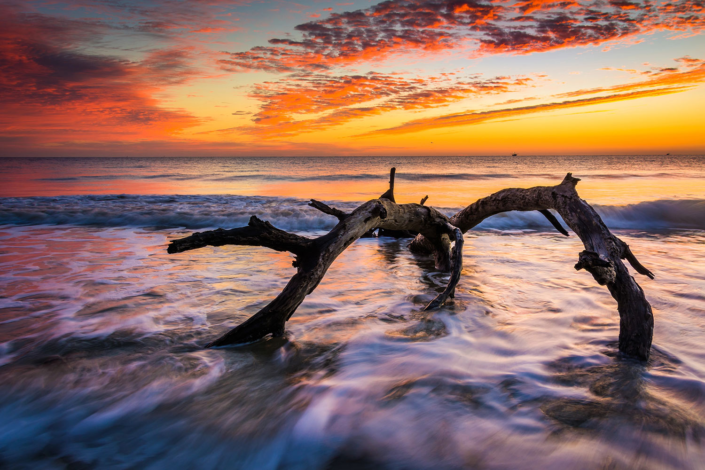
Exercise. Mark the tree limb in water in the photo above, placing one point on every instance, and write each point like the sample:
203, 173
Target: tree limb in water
436, 234
602, 256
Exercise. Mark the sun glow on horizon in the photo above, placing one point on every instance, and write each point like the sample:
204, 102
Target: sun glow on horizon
401, 77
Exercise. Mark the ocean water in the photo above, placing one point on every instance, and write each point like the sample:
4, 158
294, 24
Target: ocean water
101, 331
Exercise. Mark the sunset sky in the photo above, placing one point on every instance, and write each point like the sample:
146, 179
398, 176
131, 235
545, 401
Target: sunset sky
426, 77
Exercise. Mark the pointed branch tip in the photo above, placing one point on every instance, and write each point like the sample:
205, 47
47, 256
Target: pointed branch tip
551, 218
569, 179
326, 209
640, 268
389, 194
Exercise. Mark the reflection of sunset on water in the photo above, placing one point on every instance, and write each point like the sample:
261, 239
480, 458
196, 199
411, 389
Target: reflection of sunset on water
130, 129
454, 193
92, 303
605, 180
121, 320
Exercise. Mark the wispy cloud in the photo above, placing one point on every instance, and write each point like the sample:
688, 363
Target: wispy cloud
156, 17
466, 119
51, 89
287, 103
84, 71
660, 81
342, 98
657, 77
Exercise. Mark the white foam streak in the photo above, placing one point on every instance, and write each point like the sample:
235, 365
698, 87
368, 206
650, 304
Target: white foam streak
203, 212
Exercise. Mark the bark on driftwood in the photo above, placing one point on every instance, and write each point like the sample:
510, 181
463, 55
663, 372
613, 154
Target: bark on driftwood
602, 257
436, 233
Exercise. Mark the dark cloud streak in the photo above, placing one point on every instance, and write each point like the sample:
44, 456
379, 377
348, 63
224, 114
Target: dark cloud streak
48, 80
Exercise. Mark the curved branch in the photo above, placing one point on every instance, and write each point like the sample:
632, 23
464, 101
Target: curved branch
629, 256
551, 218
314, 257
257, 233
602, 256
457, 268
340, 215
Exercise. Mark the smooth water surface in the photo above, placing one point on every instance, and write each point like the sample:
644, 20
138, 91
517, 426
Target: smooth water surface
101, 331
449, 181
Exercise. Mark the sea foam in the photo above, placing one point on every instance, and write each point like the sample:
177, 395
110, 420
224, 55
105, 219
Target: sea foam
202, 212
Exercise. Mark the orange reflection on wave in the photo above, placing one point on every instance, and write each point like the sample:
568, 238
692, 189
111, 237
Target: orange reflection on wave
48, 187
455, 193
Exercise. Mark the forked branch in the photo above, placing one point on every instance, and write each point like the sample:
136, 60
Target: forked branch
457, 268
602, 256
436, 233
257, 233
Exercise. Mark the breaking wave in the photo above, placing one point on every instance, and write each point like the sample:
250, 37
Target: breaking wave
200, 212
651, 215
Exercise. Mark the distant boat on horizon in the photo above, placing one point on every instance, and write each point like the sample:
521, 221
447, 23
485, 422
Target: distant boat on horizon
514, 155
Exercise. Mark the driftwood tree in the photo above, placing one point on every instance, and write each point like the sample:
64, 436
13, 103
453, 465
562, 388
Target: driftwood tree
434, 235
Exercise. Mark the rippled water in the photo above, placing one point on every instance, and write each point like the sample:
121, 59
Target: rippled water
102, 366
449, 181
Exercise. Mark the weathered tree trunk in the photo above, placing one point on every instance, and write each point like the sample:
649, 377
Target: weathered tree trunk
314, 256
602, 256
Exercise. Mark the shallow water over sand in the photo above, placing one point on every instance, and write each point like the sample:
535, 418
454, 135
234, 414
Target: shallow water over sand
101, 331
102, 365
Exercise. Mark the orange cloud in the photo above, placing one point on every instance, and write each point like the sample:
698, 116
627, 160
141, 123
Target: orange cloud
530, 6
658, 77
306, 94
466, 119
51, 91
